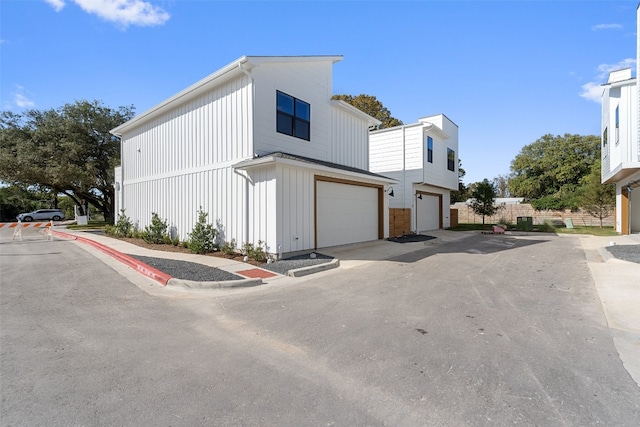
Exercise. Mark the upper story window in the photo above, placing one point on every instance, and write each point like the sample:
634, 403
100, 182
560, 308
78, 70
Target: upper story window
429, 149
293, 116
605, 137
451, 160
617, 124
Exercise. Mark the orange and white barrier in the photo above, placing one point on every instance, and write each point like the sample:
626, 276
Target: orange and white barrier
18, 226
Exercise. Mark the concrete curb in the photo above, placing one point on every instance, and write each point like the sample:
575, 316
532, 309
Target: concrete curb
157, 275
304, 271
139, 266
605, 254
190, 284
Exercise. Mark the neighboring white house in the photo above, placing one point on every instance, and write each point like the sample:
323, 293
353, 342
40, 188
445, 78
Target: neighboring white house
620, 151
261, 147
423, 158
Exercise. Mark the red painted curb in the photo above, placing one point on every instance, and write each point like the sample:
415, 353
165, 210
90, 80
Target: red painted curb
139, 266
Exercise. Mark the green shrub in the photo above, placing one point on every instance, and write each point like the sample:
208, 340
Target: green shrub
546, 227
110, 230
123, 226
201, 238
229, 248
156, 232
256, 252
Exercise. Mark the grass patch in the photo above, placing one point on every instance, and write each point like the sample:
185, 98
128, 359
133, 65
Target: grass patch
92, 225
594, 231
544, 228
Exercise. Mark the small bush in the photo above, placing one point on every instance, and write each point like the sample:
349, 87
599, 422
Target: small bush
201, 238
123, 226
256, 252
546, 227
157, 231
110, 230
229, 248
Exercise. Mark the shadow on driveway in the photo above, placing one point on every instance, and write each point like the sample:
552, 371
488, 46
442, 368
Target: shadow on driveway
479, 244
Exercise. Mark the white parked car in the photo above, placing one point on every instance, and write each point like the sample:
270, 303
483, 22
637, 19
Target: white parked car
41, 214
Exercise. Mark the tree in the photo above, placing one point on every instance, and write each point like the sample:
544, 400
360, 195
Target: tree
597, 199
462, 193
67, 150
553, 166
501, 184
483, 199
370, 105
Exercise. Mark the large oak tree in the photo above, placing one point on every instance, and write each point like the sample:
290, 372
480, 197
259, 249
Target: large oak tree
67, 150
370, 105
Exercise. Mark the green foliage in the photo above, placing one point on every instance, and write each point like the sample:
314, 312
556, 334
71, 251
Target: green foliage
201, 238
463, 192
229, 248
546, 227
370, 105
256, 252
123, 226
483, 199
554, 203
597, 199
156, 232
66, 150
553, 166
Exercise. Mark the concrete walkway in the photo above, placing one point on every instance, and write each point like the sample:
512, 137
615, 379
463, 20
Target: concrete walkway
618, 285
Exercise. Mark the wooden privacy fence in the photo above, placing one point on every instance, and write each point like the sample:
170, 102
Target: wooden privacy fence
399, 222
510, 214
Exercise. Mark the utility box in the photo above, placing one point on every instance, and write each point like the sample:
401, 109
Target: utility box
524, 222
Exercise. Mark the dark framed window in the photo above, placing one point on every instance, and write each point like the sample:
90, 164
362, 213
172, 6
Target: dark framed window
605, 137
617, 124
293, 116
429, 149
451, 160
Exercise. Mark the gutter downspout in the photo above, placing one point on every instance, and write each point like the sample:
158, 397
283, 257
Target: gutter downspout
247, 216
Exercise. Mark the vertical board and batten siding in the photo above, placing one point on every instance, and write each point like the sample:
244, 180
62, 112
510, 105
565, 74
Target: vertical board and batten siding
606, 149
262, 207
349, 140
182, 161
295, 209
308, 81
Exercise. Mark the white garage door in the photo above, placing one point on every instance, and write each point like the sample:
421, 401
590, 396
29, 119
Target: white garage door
428, 213
345, 213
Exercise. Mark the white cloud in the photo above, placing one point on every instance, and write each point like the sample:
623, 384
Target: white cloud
592, 91
20, 98
126, 12
606, 27
57, 5
120, 12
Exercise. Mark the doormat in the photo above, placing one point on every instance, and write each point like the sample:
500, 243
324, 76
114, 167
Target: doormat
410, 238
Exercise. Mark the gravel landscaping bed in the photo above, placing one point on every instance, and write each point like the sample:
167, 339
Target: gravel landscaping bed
186, 270
284, 265
625, 252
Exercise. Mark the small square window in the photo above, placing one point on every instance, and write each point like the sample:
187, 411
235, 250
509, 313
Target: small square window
293, 116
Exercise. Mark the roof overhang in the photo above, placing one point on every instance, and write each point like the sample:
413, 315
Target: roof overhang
301, 162
345, 106
623, 172
241, 65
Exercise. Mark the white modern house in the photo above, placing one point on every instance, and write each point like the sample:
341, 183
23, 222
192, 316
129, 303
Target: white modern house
264, 150
423, 158
620, 149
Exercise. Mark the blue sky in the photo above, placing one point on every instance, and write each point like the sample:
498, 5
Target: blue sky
505, 72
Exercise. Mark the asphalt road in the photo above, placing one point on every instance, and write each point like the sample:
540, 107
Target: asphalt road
484, 331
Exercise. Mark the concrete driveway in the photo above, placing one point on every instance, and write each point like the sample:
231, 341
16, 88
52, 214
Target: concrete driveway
478, 331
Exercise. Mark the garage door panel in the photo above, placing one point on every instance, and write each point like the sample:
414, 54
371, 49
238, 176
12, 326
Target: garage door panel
428, 213
345, 213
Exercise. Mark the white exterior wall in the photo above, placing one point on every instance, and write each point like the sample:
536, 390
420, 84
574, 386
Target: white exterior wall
295, 205
182, 160
386, 151
625, 150
117, 192
308, 81
401, 153
349, 140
